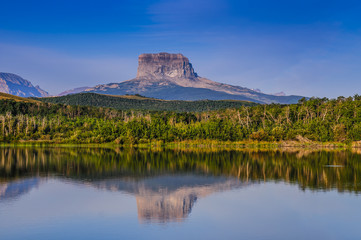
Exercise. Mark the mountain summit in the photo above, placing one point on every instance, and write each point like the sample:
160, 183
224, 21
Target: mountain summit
165, 65
13, 84
172, 77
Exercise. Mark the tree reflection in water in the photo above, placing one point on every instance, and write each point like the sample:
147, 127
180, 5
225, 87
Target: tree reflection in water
167, 183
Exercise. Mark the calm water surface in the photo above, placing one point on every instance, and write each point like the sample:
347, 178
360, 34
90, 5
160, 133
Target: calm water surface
95, 193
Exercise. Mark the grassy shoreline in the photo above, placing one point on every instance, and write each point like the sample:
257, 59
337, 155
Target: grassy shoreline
198, 144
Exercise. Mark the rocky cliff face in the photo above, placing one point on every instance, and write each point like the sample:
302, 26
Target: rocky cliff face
172, 77
16, 85
164, 65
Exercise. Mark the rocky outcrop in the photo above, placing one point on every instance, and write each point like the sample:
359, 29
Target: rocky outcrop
164, 65
16, 85
280, 94
172, 77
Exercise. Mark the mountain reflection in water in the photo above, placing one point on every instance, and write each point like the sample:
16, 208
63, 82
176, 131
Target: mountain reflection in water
159, 199
168, 198
167, 183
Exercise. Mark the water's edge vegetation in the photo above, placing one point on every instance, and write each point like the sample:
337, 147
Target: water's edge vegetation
310, 123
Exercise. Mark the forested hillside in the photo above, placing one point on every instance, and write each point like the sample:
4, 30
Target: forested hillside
137, 102
6, 96
316, 119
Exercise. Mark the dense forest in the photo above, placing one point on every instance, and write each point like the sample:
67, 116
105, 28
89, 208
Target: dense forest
138, 102
323, 120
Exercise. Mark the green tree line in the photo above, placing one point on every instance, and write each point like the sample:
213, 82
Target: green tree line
316, 119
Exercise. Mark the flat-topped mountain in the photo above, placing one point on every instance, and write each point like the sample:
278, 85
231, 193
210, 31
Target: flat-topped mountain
16, 85
165, 65
172, 77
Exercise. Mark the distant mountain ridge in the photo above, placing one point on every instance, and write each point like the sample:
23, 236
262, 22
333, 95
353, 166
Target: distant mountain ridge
13, 84
73, 91
172, 77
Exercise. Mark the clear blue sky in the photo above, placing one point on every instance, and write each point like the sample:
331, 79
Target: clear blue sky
310, 48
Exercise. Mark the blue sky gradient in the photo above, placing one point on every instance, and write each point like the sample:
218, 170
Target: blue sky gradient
310, 48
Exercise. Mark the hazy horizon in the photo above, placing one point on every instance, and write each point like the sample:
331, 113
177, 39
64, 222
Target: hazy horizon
309, 48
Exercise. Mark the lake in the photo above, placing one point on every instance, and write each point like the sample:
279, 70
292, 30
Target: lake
114, 193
